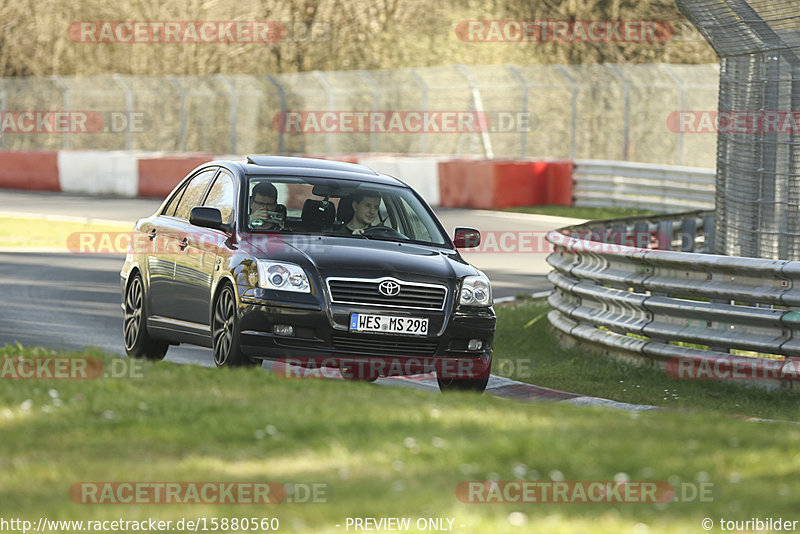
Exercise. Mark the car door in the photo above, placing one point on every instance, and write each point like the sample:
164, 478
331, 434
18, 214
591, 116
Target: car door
174, 236
198, 260
162, 236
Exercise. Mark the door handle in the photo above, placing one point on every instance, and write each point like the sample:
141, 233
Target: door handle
183, 243
152, 234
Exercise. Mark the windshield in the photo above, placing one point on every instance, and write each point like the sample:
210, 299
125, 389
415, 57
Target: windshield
342, 208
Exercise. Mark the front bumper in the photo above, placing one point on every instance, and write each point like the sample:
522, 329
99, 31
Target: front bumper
322, 339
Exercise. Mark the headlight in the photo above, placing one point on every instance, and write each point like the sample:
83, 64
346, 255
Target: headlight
475, 291
282, 276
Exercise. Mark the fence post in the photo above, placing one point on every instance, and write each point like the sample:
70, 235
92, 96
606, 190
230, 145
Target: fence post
523, 139
128, 107
234, 96
423, 140
373, 138
626, 107
681, 103
282, 96
477, 102
3, 96
329, 96
65, 96
573, 132
182, 113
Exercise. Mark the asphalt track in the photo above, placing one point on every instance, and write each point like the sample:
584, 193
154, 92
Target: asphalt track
71, 301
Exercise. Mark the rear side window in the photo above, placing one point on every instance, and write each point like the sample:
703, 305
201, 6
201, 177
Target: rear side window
221, 195
193, 192
173, 203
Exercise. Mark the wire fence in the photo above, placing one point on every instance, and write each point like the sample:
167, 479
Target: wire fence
758, 165
610, 111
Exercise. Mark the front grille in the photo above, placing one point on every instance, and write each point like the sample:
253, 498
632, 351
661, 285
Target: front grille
365, 292
372, 346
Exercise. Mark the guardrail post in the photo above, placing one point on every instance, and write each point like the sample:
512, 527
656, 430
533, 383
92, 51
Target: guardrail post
641, 234
688, 234
664, 235
708, 234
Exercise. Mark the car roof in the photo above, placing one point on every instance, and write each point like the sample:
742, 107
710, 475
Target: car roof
294, 166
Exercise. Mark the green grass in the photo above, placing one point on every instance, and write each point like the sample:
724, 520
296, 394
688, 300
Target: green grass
524, 335
384, 452
26, 233
581, 212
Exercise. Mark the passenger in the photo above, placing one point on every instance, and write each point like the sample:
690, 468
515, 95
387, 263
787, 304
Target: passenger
264, 206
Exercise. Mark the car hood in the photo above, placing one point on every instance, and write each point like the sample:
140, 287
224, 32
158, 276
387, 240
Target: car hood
365, 258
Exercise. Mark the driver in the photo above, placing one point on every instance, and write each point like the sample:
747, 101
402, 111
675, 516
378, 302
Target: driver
365, 209
263, 206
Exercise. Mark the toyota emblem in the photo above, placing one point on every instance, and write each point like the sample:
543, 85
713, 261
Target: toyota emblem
389, 288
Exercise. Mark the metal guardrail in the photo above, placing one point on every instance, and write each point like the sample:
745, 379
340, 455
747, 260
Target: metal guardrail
645, 289
622, 184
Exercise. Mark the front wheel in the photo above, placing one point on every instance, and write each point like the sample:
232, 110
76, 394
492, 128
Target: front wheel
138, 343
225, 332
357, 372
456, 383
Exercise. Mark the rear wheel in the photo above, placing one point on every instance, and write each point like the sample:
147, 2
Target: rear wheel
138, 343
225, 332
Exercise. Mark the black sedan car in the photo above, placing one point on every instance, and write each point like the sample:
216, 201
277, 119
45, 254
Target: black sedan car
310, 262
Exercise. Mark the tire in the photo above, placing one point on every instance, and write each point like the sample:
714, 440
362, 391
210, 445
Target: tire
477, 385
356, 373
225, 332
138, 343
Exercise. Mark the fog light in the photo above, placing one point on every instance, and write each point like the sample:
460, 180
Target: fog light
283, 330
475, 344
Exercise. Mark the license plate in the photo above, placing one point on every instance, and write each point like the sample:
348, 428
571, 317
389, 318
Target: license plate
388, 324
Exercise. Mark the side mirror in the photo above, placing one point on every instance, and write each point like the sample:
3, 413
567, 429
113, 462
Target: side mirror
207, 217
466, 238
